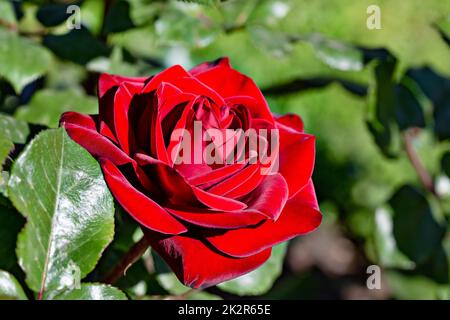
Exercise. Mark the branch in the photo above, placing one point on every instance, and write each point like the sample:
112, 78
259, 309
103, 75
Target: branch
424, 176
133, 255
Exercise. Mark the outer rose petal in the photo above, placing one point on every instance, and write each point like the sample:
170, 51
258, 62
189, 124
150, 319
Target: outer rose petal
205, 66
81, 130
197, 265
300, 216
297, 155
291, 121
108, 81
138, 205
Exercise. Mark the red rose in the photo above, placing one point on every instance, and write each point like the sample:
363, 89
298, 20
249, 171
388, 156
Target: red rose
210, 222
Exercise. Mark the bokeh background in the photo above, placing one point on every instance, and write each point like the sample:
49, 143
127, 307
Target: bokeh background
378, 101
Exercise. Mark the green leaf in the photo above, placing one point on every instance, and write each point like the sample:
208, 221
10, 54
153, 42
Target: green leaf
78, 45
118, 18
21, 60
437, 88
416, 231
7, 12
5, 147
260, 280
407, 287
51, 15
47, 105
10, 289
11, 222
336, 54
275, 43
92, 291
385, 245
12, 129
59, 188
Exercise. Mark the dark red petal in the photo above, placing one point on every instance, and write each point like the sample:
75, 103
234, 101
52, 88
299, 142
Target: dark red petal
214, 219
230, 83
252, 104
300, 216
217, 202
197, 265
122, 102
168, 75
231, 183
205, 66
79, 119
97, 145
269, 197
297, 155
108, 81
217, 174
139, 206
291, 121
194, 86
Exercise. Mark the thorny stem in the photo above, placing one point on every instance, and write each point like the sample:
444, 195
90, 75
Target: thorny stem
424, 176
133, 255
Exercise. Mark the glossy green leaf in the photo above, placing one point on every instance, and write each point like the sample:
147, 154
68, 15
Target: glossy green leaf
59, 188
10, 289
12, 129
21, 60
92, 291
47, 105
416, 230
260, 280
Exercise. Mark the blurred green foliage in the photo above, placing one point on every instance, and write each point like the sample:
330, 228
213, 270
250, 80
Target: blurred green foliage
365, 94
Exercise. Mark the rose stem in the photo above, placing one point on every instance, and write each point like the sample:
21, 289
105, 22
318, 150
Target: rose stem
424, 176
133, 255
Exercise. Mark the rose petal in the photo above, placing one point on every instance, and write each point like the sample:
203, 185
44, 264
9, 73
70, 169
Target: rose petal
107, 81
226, 220
197, 265
291, 121
296, 155
97, 145
139, 206
300, 216
205, 66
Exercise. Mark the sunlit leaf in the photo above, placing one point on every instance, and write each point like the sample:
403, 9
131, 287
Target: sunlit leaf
21, 60
47, 105
59, 188
260, 280
88, 291
10, 289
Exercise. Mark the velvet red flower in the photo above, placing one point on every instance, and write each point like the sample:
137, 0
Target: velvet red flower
209, 222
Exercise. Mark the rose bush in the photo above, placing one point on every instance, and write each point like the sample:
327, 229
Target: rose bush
209, 222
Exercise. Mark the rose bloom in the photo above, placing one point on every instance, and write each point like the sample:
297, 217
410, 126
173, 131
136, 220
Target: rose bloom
209, 222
